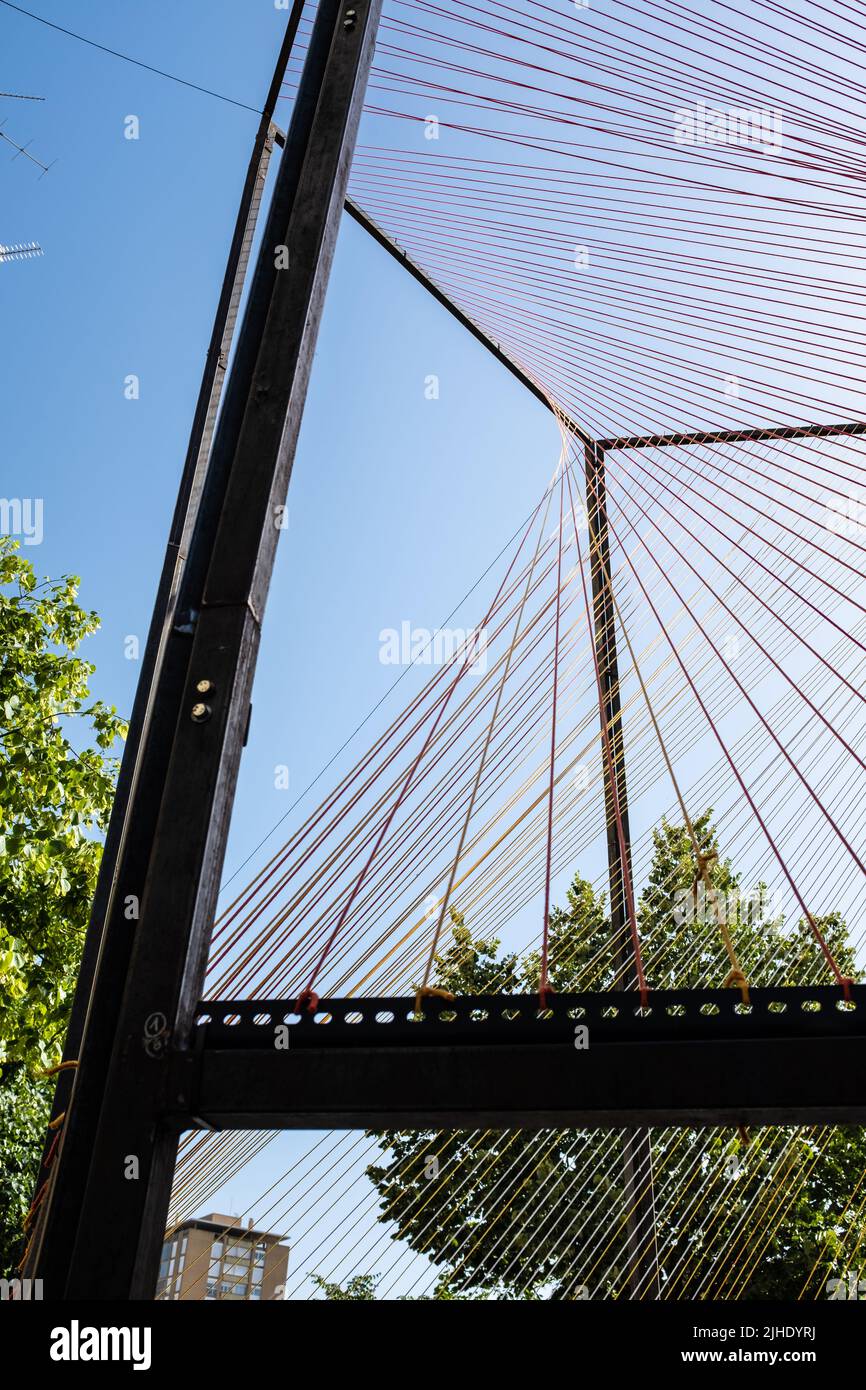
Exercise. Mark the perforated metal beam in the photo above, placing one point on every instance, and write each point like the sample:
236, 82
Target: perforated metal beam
696, 1058
756, 435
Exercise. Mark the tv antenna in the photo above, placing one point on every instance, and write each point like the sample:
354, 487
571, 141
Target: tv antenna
23, 252
24, 149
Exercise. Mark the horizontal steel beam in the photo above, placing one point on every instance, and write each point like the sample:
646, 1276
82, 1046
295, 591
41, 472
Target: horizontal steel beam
674, 1015
525, 1086
693, 1058
756, 435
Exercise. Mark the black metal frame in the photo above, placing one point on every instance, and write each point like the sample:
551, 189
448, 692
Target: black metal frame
693, 1057
671, 1015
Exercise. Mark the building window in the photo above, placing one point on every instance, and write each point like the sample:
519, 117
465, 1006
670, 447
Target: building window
236, 1269
171, 1267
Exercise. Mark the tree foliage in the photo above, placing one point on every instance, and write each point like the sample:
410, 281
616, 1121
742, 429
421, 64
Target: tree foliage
517, 1215
56, 787
361, 1288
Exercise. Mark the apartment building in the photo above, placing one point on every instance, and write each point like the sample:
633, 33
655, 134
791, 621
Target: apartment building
218, 1257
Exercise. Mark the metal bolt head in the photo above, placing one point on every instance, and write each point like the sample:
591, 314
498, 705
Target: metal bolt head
204, 687
199, 713
350, 19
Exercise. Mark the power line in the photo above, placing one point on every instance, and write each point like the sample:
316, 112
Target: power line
91, 43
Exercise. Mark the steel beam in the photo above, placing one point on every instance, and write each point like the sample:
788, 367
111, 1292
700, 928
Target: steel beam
694, 1057
671, 1015
108, 942
210, 659
770, 1082
546, 1086
755, 435
637, 1143
604, 636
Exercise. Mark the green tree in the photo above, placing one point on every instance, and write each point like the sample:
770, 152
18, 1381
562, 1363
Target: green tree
497, 1210
361, 1288
56, 787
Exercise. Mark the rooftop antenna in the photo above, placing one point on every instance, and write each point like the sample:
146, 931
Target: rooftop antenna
23, 149
23, 252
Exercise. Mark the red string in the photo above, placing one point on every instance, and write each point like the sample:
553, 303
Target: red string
825, 949
308, 999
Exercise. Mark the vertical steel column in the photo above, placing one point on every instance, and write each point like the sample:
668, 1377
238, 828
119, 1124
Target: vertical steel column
637, 1147
108, 943
204, 685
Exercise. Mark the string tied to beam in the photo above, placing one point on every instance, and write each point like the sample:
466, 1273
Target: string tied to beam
736, 979
61, 1066
544, 993
56, 1125
706, 861
307, 1001
430, 992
